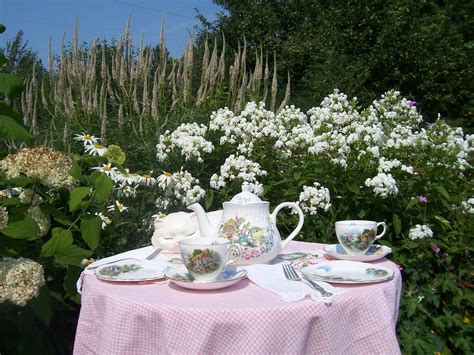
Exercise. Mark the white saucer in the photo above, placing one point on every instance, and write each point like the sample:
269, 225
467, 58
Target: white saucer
132, 271
375, 252
182, 278
348, 272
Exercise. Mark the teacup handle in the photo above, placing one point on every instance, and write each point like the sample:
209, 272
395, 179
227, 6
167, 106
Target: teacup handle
383, 232
300, 223
234, 253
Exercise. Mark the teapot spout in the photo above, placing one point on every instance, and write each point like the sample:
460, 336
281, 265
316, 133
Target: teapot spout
205, 227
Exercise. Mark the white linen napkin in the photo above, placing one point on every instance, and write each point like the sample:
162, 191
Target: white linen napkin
137, 254
272, 278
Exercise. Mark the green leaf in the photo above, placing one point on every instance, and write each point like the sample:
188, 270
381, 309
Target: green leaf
353, 188
69, 283
2, 28
103, 187
58, 244
442, 191
209, 198
23, 229
12, 201
77, 195
41, 305
8, 111
10, 84
73, 255
61, 217
76, 172
411, 203
11, 129
90, 230
397, 224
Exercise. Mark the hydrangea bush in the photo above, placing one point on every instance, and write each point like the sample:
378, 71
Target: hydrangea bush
343, 161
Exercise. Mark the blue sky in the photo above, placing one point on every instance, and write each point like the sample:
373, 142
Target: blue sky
42, 19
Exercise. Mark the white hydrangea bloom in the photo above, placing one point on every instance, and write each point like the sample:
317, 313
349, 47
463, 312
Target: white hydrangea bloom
314, 198
188, 138
20, 280
420, 232
383, 185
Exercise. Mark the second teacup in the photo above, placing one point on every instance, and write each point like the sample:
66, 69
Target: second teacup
206, 258
357, 236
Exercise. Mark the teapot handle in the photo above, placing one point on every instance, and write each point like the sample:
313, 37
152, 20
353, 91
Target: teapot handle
300, 223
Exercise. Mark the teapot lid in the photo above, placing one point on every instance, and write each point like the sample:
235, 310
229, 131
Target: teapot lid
245, 197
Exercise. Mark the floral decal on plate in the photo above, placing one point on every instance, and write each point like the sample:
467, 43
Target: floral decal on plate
114, 270
254, 241
376, 272
305, 262
203, 261
357, 241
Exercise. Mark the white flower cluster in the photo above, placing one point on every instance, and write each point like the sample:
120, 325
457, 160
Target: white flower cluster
387, 165
315, 197
49, 166
188, 138
383, 185
3, 218
468, 206
179, 188
253, 124
20, 280
420, 232
239, 167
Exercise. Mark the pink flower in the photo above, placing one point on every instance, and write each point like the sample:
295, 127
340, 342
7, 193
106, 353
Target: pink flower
435, 248
411, 102
423, 199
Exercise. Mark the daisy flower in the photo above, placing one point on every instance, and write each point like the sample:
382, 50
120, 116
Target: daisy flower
127, 190
105, 220
108, 170
95, 149
87, 139
164, 180
147, 180
117, 207
126, 178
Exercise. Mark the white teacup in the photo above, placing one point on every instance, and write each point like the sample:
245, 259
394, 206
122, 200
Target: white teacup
206, 258
357, 236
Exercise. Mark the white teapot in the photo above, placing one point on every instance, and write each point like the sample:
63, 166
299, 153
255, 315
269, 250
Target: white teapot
246, 221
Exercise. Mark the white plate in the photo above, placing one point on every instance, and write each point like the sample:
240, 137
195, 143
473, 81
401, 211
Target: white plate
344, 271
227, 278
375, 252
132, 271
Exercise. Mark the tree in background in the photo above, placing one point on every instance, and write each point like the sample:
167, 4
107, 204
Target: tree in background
21, 58
425, 49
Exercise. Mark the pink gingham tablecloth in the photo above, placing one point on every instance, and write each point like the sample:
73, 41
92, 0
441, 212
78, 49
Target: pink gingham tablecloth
162, 318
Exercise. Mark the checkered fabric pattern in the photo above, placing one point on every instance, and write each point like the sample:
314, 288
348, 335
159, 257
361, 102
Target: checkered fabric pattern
162, 318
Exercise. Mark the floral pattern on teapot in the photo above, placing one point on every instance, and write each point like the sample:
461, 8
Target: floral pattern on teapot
254, 241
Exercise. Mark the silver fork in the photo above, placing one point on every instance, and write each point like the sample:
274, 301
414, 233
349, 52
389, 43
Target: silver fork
292, 275
149, 257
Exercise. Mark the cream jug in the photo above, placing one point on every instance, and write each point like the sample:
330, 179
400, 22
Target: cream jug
247, 222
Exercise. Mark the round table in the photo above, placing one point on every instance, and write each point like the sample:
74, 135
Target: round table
161, 317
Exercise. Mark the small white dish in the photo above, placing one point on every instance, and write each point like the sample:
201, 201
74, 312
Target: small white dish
375, 252
227, 278
132, 271
349, 272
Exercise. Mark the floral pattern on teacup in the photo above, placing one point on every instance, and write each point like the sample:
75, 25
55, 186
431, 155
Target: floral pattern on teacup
203, 261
